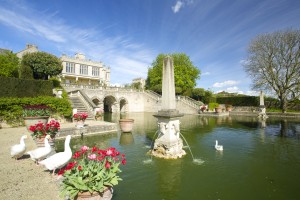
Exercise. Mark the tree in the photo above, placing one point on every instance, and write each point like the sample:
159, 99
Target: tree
273, 63
9, 64
198, 93
185, 73
42, 64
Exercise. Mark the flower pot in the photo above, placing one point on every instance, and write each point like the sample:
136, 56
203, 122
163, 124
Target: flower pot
80, 124
106, 195
218, 110
229, 109
126, 125
30, 121
40, 141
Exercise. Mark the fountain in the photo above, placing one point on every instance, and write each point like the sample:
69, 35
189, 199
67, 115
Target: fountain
168, 144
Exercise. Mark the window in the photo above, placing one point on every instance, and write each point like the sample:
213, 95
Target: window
70, 67
95, 71
83, 69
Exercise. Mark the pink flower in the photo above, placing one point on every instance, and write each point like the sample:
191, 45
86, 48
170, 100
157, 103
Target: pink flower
92, 156
84, 149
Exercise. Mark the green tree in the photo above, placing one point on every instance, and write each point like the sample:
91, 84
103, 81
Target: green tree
9, 64
273, 63
198, 94
185, 73
42, 64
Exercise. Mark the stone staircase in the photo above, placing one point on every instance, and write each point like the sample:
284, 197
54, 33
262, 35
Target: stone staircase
77, 103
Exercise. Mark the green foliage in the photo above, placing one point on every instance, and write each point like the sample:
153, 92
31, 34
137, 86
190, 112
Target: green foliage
11, 109
9, 64
56, 82
212, 106
239, 100
25, 72
13, 87
42, 64
198, 93
185, 73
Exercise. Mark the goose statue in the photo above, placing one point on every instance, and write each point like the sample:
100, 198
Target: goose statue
218, 147
18, 150
60, 159
41, 152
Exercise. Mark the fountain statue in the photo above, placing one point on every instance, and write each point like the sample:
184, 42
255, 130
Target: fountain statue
262, 106
168, 144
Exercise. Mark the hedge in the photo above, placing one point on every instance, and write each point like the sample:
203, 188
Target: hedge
239, 100
14, 87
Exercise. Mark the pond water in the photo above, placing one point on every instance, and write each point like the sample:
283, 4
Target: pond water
257, 162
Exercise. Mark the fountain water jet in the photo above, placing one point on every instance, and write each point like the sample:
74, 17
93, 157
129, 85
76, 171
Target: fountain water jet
168, 145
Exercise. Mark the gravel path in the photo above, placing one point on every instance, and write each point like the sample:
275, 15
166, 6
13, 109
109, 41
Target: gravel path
22, 179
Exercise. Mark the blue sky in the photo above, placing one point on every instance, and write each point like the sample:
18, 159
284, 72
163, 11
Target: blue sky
127, 35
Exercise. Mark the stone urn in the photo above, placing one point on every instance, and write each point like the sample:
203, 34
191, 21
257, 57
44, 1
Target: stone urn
218, 110
126, 125
31, 121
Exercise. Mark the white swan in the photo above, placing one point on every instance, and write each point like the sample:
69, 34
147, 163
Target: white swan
18, 150
218, 147
60, 159
41, 152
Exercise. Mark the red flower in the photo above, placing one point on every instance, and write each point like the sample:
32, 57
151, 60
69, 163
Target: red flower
94, 149
61, 172
123, 161
79, 168
70, 165
107, 165
76, 155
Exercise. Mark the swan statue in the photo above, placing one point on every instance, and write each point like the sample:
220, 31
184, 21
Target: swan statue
41, 152
18, 150
60, 159
218, 147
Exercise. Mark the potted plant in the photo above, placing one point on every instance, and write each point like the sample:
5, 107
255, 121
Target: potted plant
41, 130
92, 172
228, 107
33, 114
126, 125
80, 118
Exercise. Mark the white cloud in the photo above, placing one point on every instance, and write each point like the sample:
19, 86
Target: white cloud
127, 59
234, 89
225, 83
205, 74
176, 8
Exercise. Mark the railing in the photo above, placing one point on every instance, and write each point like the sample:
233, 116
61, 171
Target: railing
107, 88
189, 101
85, 100
153, 95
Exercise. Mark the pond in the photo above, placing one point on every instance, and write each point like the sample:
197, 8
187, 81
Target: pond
257, 162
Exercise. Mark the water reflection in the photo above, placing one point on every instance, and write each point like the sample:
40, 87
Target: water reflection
126, 139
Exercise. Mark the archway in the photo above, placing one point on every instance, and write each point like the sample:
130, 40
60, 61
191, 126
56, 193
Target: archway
110, 104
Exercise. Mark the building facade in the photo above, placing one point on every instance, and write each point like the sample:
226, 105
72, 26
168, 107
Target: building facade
81, 71
78, 70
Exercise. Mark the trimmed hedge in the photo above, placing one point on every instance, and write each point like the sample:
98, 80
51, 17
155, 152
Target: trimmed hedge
14, 87
239, 100
11, 109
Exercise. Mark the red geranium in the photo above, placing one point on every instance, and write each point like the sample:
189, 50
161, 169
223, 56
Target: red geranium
40, 129
80, 116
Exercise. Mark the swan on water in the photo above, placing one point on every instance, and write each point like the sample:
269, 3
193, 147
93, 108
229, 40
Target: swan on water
218, 147
60, 159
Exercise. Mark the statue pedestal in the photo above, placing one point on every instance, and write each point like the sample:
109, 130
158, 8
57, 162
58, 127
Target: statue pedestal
168, 145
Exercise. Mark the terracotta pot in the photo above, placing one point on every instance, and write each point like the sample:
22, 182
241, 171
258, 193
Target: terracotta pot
126, 125
218, 110
30, 121
106, 195
229, 109
40, 142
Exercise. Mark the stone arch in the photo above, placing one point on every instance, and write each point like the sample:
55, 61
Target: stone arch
123, 104
110, 104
